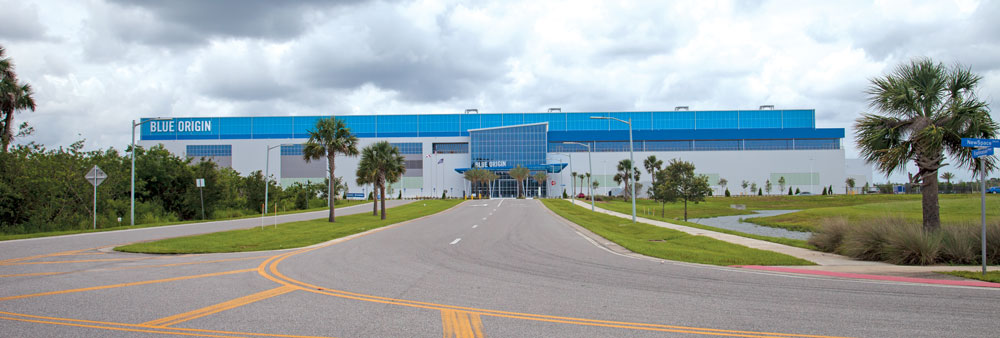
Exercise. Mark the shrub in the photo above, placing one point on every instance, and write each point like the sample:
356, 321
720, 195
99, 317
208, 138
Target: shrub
789, 191
959, 244
302, 200
797, 191
727, 192
831, 234
867, 241
908, 244
760, 192
564, 194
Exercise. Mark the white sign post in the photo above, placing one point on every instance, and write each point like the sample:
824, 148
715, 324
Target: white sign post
200, 183
95, 176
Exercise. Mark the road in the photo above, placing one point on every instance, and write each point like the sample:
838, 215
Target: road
500, 268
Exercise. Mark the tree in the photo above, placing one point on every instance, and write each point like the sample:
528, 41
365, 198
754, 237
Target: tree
330, 137
540, 178
922, 110
627, 174
14, 96
824, 191
574, 174
722, 184
866, 188
387, 163
781, 183
753, 187
767, 186
679, 182
475, 176
745, 184
946, 176
797, 191
488, 178
789, 191
588, 183
519, 174
727, 193
366, 174
850, 185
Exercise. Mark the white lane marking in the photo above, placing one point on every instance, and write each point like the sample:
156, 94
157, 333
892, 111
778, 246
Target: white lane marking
484, 218
501, 203
475, 226
456, 241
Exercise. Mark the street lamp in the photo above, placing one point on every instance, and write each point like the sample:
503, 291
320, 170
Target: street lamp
590, 162
631, 156
267, 167
132, 218
572, 181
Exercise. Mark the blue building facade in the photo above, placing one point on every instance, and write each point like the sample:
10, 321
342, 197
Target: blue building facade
500, 141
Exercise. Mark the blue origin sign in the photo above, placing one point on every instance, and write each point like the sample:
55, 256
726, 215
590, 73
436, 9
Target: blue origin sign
181, 126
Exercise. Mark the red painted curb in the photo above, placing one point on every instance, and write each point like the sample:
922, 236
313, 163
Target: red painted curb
873, 277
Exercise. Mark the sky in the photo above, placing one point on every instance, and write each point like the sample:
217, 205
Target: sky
95, 65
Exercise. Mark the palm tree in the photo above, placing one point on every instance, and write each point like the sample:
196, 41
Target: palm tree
624, 176
947, 176
331, 137
849, 184
540, 177
922, 110
386, 162
519, 174
14, 96
365, 174
591, 192
488, 178
475, 176
574, 174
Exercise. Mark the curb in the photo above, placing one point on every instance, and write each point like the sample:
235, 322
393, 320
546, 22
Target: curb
873, 277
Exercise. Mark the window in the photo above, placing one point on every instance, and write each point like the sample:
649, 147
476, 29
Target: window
451, 148
767, 144
210, 150
409, 148
712, 145
813, 144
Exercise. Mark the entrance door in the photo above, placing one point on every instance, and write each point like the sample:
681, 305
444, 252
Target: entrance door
508, 188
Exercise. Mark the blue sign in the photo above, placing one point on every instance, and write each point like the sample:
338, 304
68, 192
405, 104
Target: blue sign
982, 152
980, 142
355, 195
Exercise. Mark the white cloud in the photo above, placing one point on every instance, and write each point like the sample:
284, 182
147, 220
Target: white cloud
97, 65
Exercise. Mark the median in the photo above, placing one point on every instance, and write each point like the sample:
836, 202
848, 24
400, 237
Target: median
288, 235
654, 241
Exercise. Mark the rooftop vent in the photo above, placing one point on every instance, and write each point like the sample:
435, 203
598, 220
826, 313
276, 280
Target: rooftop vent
680, 108
473, 110
555, 110
767, 107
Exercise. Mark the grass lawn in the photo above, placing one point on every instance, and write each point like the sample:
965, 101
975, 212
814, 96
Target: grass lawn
7, 237
288, 235
955, 209
626, 208
665, 243
991, 276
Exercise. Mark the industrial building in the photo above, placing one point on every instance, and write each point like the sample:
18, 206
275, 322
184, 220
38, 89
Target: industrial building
736, 145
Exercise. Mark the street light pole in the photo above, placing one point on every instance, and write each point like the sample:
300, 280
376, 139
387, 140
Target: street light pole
267, 167
631, 156
132, 208
590, 162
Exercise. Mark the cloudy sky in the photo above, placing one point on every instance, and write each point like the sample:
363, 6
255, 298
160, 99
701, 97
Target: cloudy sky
95, 64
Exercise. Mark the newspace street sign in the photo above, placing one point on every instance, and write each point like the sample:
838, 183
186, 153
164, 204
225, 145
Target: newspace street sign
980, 142
984, 147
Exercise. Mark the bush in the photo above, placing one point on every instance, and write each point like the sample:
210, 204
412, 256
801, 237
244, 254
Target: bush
789, 191
564, 194
867, 241
797, 191
760, 192
831, 234
908, 244
727, 192
960, 244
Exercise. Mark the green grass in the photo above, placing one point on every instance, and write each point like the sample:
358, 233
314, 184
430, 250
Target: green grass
666, 243
626, 208
955, 209
7, 237
288, 235
991, 276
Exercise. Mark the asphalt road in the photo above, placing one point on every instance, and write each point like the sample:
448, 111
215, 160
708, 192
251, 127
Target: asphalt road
501, 268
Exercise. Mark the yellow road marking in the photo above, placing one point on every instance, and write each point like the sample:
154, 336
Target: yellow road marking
269, 270
82, 261
127, 284
213, 309
461, 324
139, 328
61, 253
134, 267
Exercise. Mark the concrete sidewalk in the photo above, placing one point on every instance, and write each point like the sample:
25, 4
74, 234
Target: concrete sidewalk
826, 262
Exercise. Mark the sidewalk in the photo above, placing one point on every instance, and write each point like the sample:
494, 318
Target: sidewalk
827, 264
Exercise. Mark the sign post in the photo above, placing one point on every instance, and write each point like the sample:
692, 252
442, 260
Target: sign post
95, 176
200, 183
983, 147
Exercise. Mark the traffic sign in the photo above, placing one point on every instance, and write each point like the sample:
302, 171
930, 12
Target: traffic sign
982, 152
199, 182
553, 182
980, 142
96, 176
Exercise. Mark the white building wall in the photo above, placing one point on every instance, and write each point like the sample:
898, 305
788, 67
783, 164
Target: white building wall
735, 166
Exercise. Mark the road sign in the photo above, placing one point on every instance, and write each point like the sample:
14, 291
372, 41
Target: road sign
980, 142
199, 182
553, 182
982, 152
96, 176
